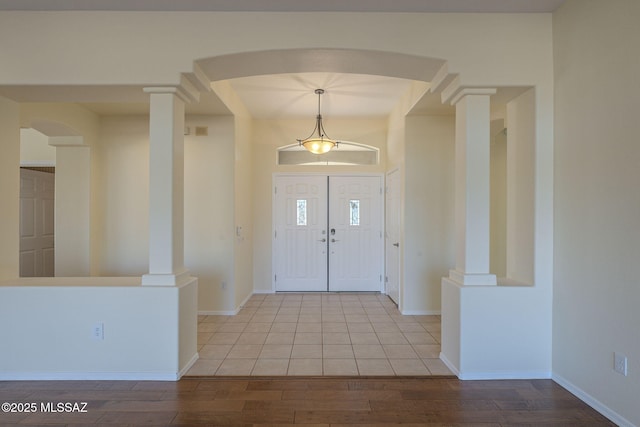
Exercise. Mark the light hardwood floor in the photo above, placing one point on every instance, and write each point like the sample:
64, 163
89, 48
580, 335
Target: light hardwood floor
309, 401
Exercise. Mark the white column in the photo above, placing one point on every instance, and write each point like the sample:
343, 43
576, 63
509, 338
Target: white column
472, 189
166, 189
72, 210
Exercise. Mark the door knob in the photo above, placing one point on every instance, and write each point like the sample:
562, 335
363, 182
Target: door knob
397, 245
322, 240
334, 240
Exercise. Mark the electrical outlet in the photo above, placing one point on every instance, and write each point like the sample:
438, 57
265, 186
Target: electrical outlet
97, 333
620, 363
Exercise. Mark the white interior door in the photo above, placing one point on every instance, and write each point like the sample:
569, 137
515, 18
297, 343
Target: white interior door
37, 223
355, 233
392, 245
300, 239
328, 233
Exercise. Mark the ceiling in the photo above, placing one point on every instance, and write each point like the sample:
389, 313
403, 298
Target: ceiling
269, 96
432, 6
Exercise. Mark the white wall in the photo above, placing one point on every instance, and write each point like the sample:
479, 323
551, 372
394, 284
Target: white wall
428, 211
268, 135
597, 208
142, 340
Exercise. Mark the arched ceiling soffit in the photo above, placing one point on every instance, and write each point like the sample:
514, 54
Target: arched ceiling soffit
389, 64
52, 128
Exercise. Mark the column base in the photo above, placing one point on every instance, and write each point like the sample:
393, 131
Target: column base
176, 279
466, 279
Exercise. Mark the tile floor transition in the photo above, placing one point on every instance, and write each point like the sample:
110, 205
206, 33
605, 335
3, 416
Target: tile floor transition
319, 335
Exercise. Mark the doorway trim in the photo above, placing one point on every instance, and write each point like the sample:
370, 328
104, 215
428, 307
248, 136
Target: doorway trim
277, 175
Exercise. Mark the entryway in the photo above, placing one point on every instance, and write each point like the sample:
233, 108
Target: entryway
328, 233
319, 334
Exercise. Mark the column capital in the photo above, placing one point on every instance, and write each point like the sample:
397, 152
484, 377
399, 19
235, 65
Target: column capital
455, 91
186, 91
472, 91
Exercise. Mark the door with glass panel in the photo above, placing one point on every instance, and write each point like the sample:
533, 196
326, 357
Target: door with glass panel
300, 233
327, 233
355, 233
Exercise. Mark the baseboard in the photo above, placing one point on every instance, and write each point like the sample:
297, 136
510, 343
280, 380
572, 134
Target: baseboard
89, 376
506, 375
264, 291
188, 366
421, 312
218, 312
593, 402
225, 312
245, 301
449, 365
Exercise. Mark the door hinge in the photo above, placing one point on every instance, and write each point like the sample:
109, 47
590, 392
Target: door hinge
381, 190
275, 234
381, 278
275, 190
386, 279
275, 277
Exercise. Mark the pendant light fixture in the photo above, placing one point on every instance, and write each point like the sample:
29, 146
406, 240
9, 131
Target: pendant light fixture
320, 143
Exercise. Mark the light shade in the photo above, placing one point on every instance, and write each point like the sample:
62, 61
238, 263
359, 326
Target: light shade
318, 145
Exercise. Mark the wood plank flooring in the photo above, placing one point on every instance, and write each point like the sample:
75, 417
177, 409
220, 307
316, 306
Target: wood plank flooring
308, 401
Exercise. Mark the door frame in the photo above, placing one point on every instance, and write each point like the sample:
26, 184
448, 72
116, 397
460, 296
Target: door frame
387, 259
276, 175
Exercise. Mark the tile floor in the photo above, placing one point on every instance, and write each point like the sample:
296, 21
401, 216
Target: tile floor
319, 335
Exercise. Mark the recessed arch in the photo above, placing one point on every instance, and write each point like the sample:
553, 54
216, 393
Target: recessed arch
357, 61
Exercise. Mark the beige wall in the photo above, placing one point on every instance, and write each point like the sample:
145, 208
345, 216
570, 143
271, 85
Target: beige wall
123, 192
209, 211
35, 149
597, 208
521, 154
489, 49
9, 188
209, 203
428, 211
498, 227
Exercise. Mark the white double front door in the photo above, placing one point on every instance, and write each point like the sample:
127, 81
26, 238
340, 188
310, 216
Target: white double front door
328, 233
